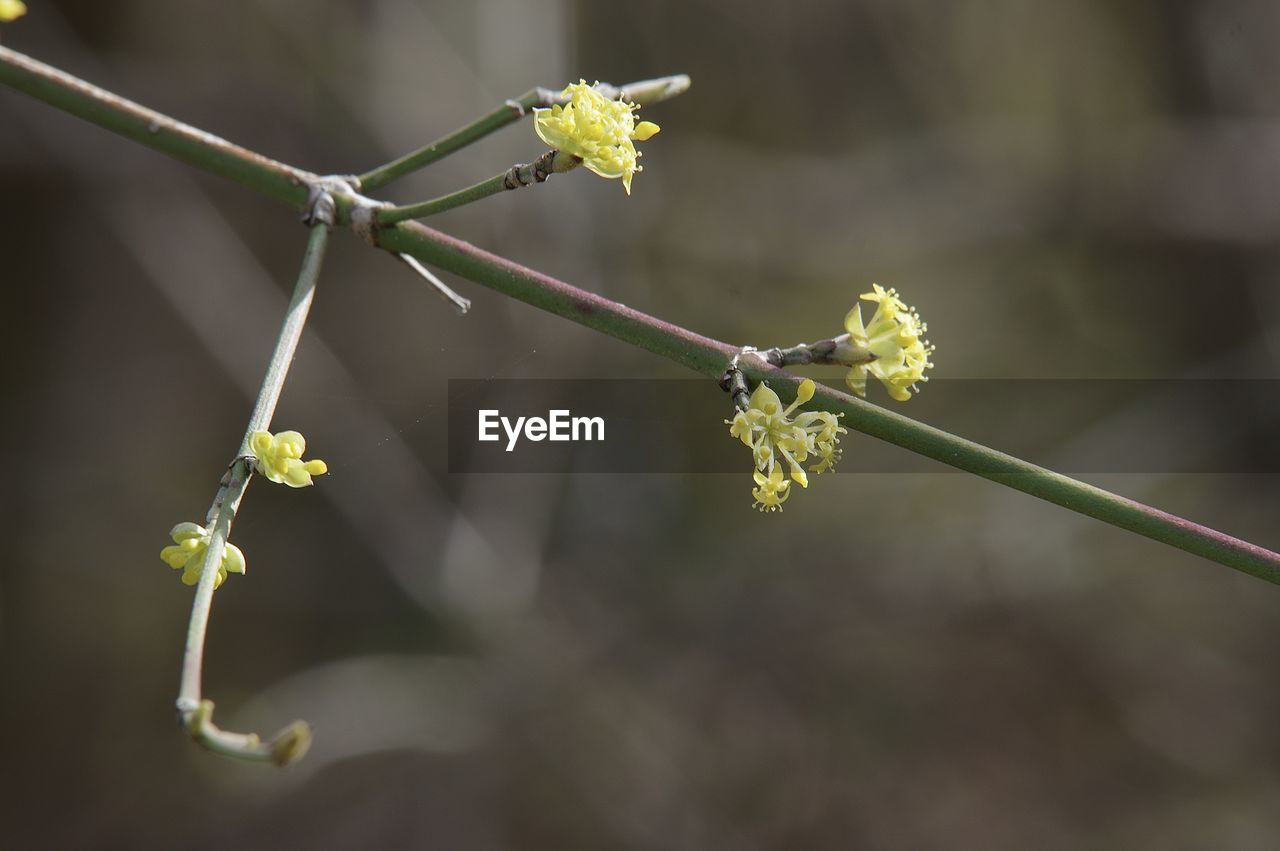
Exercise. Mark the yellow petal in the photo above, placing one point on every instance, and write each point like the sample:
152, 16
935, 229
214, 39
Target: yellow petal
174, 557
797, 473
764, 399
187, 531
297, 476
290, 443
853, 324
857, 380
898, 392
233, 559
260, 442
645, 130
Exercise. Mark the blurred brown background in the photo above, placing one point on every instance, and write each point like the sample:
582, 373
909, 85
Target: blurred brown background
1084, 190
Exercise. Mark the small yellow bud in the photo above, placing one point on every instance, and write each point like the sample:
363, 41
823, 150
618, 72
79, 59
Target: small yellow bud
291, 744
11, 10
279, 458
260, 442
645, 131
191, 543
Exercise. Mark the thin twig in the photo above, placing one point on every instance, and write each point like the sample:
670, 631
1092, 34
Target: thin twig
519, 175
462, 305
195, 712
153, 129
734, 383
642, 92
835, 350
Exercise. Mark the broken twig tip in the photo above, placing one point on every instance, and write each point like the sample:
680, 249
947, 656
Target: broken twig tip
462, 305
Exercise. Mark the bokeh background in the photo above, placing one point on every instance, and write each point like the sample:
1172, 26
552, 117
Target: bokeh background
1066, 190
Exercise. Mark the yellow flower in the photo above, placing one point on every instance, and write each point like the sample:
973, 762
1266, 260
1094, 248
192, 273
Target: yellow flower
597, 130
191, 542
823, 431
280, 458
828, 453
767, 428
771, 490
772, 432
11, 10
893, 339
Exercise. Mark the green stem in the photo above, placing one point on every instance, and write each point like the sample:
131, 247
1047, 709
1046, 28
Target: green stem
483, 189
642, 92
197, 713
1040, 482
513, 178
181, 141
710, 358
701, 354
295, 318
506, 114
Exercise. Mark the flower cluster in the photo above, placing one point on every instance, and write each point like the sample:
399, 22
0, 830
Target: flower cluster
11, 10
190, 544
893, 339
280, 458
776, 437
599, 131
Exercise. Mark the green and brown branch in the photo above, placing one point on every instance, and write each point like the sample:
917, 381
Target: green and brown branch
195, 712
701, 354
384, 229
519, 175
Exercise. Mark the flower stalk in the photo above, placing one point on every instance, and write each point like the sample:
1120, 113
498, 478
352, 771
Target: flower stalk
513, 178
642, 92
195, 712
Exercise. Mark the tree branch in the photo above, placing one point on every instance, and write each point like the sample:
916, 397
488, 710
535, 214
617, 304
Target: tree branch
701, 354
195, 712
518, 175
180, 141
